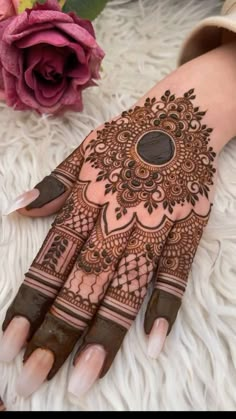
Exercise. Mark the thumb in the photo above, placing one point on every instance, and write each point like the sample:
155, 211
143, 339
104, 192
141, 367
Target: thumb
49, 195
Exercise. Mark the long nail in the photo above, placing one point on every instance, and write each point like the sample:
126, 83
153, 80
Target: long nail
87, 370
14, 338
22, 201
34, 372
157, 337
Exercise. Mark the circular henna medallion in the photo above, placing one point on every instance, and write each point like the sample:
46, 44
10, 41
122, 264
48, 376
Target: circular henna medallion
156, 147
158, 154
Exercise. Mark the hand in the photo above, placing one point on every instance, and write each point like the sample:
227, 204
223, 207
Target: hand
133, 201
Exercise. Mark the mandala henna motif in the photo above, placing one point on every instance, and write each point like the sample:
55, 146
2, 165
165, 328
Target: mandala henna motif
98, 259
185, 172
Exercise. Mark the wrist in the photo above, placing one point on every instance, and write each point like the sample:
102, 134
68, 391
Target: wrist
212, 76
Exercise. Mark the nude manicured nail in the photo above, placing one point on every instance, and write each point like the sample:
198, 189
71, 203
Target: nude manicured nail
87, 370
157, 337
34, 372
14, 338
22, 201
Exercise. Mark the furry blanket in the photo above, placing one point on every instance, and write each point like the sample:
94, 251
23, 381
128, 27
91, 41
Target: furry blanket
196, 370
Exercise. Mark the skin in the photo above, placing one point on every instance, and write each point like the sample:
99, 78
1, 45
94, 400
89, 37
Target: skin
120, 224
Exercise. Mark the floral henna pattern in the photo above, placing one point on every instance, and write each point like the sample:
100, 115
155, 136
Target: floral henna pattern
108, 260
55, 259
137, 210
68, 170
159, 156
178, 253
61, 247
161, 152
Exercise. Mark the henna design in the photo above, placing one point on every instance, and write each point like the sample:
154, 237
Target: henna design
99, 258
58, 247
178, 253
108, 262
49, 270
50, 188
158, 155
62, 178
68, 170
116, 153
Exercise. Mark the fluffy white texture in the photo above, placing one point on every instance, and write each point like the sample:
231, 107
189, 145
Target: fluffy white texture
196, 370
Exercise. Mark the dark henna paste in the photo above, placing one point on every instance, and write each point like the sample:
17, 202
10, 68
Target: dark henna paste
56, 336
28, 303
102, 251
156, 147
161, 304
106, 333
50, 188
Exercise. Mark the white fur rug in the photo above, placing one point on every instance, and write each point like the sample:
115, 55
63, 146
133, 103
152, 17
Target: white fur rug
196, 370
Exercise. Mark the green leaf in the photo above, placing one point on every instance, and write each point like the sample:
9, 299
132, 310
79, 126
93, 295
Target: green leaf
25, 4
61, 2
87, 9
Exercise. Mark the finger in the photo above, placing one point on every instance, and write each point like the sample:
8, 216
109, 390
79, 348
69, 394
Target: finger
118, 309
75, 305
173, 271
49, 195
49, 271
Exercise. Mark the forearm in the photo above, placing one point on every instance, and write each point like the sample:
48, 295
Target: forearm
213, 78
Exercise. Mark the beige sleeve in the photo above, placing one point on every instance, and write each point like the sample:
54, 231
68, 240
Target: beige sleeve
210, 33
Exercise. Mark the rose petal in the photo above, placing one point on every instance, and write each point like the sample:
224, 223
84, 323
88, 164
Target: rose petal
36, 17
53, 59
32, 59
46, 100
52, 91
1, 78
24, 22
51, 37
86, 24
2, 95
79, 34
10, 36
94, 65
4, 24
10, 57
82, 74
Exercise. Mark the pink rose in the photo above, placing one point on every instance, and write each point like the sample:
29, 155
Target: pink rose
47, 58
8, 8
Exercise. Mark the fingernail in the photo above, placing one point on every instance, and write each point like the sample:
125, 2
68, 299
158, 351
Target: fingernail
14, 338
87, 370
22, 201
34, 372
157, 337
